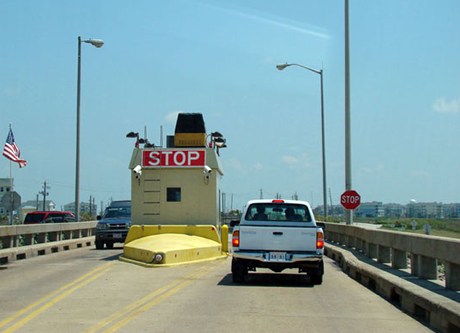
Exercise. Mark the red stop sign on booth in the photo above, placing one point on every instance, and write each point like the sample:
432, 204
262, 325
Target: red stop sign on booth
350, 199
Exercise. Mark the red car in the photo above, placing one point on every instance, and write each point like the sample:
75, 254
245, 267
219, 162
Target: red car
49, 217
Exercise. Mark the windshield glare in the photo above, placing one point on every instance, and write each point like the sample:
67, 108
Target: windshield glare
113, 212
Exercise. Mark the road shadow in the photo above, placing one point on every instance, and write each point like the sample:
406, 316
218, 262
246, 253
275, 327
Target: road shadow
283, 280
112, 258
112, 254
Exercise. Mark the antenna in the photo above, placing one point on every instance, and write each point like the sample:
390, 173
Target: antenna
161, 135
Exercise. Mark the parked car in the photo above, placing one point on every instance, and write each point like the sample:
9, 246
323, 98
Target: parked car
114, 225
49, 217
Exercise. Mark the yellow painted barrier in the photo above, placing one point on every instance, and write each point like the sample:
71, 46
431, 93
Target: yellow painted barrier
166, 245
205, 231
224, 232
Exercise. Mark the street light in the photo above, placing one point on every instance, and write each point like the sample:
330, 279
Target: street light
134, 135
348, 186
97, 43
320, 72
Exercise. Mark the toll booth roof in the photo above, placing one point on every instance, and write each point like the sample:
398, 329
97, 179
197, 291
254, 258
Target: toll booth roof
190, 123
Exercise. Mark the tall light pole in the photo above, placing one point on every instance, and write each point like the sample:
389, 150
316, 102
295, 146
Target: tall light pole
97, 43
320, 72
348, 185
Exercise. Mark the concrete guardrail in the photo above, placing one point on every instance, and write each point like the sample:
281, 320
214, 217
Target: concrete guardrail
19, 242
367, 255
403, 268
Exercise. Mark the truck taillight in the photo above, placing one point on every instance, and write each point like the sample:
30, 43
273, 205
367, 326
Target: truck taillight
236, 238
319, 240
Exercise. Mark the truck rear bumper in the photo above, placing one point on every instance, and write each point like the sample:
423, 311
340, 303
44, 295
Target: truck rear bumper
286, 258
310, 263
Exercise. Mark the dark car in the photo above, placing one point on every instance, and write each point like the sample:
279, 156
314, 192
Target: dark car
114, 225
49, 217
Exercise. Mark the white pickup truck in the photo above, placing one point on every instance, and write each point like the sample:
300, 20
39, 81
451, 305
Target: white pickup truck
277, 234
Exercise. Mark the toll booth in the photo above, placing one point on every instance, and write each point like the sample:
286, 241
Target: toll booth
177, 184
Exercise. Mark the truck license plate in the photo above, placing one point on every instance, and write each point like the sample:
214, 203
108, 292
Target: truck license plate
117, 236
277, 256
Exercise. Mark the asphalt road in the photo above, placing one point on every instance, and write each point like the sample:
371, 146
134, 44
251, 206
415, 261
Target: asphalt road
88, 290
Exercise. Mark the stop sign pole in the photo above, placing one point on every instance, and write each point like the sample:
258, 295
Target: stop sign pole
350, 199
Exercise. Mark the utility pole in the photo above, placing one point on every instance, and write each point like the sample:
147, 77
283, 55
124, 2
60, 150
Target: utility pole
44, 193
224, 200
330, 199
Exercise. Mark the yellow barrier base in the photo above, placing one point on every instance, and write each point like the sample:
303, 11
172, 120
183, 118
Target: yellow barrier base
160, 246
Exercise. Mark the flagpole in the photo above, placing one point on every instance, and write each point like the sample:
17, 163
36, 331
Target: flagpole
11, 194
11, 190
12, 152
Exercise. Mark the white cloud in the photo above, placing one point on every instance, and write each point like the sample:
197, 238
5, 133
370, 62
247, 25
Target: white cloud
290, 160
373, 170
443, 106
10, 91
258, 166
420, 174
296, 161
236, 165
171, 117
295, 26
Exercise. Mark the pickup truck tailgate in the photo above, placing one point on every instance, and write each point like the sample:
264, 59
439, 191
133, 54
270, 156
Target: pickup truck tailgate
277, 238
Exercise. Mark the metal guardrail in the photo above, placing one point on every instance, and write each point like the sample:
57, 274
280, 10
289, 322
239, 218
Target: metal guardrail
23, 241
422, 254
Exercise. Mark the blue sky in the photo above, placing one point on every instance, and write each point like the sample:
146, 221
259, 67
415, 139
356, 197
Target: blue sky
218, 58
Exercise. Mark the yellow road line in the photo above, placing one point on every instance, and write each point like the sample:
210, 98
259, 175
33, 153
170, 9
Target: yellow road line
150, 304
34, 309
133, 310
120, 313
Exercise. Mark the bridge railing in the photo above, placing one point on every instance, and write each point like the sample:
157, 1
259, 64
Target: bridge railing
423, 255
24, 241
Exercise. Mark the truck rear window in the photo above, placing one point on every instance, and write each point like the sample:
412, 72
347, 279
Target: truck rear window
278, 212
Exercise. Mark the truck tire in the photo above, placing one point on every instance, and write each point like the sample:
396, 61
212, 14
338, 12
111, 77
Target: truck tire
316, 275
99, 244
239, 271
316, 279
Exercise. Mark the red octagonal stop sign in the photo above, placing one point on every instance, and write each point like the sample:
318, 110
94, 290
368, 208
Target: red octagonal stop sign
350, 199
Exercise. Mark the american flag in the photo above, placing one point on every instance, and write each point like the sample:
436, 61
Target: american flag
11, 150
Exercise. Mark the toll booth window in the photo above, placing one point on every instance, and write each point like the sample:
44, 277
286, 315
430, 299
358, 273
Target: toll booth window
173, 194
